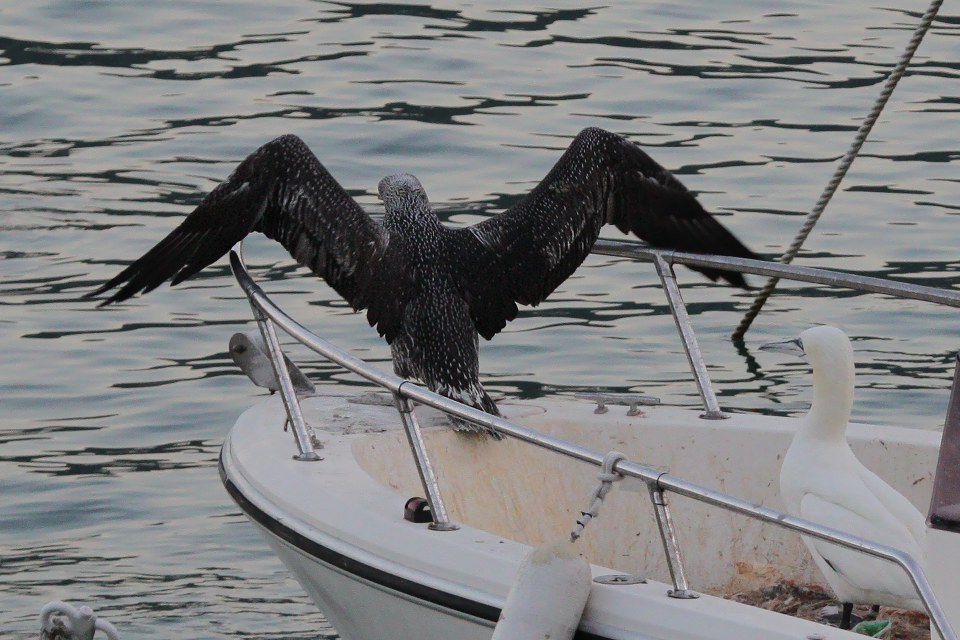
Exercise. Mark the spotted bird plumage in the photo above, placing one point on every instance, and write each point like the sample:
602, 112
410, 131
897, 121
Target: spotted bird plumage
431, 290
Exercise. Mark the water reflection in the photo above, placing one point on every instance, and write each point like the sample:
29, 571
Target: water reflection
528, 20
109, 461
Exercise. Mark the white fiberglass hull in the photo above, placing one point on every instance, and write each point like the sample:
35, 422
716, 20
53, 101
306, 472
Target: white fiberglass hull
338, 523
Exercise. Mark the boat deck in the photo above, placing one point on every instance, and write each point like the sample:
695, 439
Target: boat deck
345, 511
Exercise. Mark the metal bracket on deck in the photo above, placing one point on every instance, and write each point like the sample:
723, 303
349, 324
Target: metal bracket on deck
306, 440
671, 545
632, 401
620, 579
690, 344
441, 521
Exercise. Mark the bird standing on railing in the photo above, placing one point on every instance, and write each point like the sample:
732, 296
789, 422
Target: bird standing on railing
823, 481
432, 290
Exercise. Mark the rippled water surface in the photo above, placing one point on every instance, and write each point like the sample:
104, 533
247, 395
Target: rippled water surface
118, 117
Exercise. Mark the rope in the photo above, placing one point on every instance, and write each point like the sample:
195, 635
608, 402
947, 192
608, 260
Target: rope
845, 163
607, 477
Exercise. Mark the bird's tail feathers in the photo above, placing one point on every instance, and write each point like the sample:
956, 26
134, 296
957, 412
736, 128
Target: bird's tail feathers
734, 278
727, 244
478, 399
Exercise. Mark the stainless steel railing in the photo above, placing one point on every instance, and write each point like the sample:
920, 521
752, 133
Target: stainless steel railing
639, 251
659, 484
664, 261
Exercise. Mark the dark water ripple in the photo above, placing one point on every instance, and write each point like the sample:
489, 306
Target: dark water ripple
119, 118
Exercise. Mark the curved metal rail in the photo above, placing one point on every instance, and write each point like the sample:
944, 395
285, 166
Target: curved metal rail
658, 483
910, 291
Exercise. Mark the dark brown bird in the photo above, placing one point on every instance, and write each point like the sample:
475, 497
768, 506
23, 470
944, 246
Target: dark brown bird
429, 289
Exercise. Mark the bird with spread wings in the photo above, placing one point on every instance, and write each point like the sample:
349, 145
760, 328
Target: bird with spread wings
430, 289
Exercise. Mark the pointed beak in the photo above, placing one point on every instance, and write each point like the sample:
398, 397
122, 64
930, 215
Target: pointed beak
793, 347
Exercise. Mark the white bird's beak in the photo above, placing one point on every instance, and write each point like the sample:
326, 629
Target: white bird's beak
793, 347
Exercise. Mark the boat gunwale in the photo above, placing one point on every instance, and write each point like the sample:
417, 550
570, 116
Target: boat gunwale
267, 312
260, 491
305, 538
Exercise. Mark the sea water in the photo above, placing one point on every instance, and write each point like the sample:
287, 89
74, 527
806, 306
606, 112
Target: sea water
117, 117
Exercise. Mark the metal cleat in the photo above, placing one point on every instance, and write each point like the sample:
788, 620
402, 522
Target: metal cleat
632, 401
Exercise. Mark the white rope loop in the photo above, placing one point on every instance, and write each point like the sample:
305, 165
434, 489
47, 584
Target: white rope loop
607, 477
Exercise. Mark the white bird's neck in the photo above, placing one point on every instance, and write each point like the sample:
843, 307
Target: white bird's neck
833, 385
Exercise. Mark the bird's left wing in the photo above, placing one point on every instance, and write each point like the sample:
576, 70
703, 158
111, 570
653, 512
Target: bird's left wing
899, 508
527, 251
864, 517
283, 191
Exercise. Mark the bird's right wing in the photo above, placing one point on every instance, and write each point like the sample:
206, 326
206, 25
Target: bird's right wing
283, 191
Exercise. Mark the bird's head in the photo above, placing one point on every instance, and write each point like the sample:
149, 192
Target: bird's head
402, 193
822, 344
831, 357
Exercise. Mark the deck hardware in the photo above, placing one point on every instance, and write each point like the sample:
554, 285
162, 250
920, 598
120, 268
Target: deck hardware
302, 433
601, 407
671, 546
620, 579
441, 521
373, 398
417, 510
632, 401
689, 338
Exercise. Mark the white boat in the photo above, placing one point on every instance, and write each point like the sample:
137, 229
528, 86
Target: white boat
696, 515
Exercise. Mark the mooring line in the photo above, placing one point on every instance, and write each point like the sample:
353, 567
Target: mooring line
845, 163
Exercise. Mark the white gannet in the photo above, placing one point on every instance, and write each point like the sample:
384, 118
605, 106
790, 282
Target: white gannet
432, 290
823, 481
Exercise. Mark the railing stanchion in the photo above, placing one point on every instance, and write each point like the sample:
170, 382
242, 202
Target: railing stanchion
671, 546
690, 344
441, 521
301, 432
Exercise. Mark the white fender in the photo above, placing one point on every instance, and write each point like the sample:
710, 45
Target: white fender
61, 620
108, 629
548, 597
